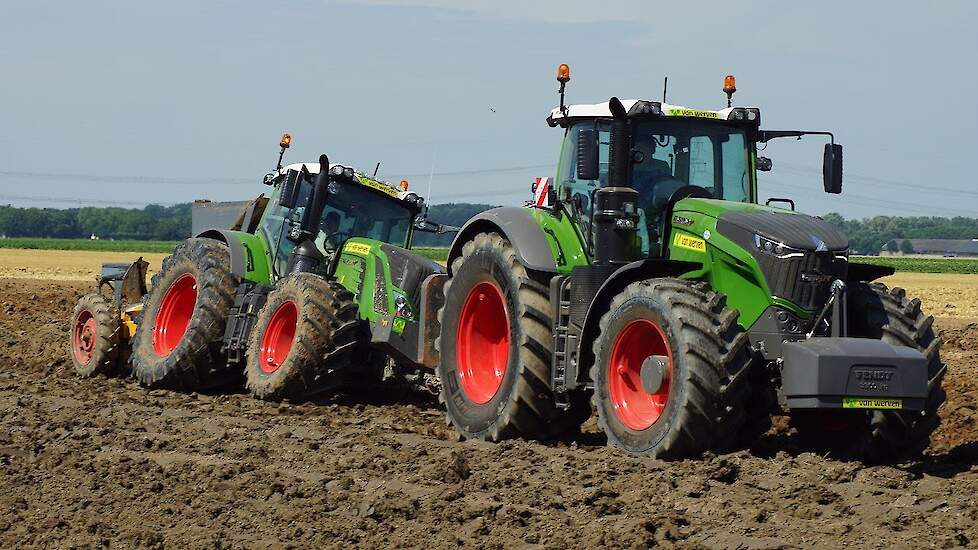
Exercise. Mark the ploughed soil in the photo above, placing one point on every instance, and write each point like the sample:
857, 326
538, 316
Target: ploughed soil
104, 462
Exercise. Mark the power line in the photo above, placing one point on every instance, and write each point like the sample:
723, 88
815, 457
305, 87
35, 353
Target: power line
163, 180
84, 202
882, 181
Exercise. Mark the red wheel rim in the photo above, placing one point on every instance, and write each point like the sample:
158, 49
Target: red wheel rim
176, 310
277, 341
84, 336
482, 342
636, 408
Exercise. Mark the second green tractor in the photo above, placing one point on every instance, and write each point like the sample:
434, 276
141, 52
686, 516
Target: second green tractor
647, 283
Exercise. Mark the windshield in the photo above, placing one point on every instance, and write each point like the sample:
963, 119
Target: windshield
352, 210
670, 154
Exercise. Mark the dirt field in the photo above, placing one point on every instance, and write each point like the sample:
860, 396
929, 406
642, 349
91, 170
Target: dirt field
64, 265
104, 462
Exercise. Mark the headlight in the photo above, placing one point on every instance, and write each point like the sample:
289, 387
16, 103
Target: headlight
643, 107
339, 171
740, 114
775, 248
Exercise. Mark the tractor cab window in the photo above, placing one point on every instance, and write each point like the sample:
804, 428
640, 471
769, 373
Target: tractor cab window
353, 210
672, 154
277, 221
578, 194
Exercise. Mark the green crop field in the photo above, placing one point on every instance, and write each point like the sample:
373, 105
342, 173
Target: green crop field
149, 247
923, 265
435, 253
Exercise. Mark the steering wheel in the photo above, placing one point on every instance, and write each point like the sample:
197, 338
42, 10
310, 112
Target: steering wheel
687, 191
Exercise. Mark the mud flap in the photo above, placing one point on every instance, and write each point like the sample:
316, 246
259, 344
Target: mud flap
853, 373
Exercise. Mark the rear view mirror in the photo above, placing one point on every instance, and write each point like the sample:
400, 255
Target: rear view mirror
764, 164
288, 195
832, 168
587, 154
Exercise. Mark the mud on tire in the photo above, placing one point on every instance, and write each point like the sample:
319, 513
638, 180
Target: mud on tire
512, 398
178, 343
703, 405
881, 436
94, 337
307, 331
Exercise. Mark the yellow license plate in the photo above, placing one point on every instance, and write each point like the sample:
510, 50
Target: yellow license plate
864, 403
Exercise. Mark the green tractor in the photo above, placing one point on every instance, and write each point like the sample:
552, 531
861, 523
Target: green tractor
648, 282
284, 291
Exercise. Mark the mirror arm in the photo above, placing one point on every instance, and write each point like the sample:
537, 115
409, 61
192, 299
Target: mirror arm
763, 136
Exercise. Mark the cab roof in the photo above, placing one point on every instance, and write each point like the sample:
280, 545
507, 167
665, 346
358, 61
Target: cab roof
375, 184
601, 110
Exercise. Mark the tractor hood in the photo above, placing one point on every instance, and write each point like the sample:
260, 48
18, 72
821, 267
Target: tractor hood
740, 222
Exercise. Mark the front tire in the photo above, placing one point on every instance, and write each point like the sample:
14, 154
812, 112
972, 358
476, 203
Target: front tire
496, 346
669, 372
306, 332
178, 343
876, 436
94, 337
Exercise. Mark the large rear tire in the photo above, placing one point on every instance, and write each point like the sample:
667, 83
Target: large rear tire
670, 370
93, 341
878, 436
496, 346
303, 340
178, 343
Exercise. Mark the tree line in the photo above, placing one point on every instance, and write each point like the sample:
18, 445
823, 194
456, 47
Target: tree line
870, 235
163, 223
152, 223
167, 223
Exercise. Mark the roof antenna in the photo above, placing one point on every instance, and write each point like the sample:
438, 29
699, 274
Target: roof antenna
665, 86
376, 168
431, 176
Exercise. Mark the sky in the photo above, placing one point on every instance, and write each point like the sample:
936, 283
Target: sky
127, 103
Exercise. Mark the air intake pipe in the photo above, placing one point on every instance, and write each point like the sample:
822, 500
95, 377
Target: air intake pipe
615, 238
306, 255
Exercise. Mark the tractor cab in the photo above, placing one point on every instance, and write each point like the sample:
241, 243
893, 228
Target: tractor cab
356, 206
673, 149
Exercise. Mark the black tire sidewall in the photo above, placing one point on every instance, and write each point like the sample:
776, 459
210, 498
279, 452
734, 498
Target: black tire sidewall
104, 359
640, 441
144, 333
197, 362
262, 382
485, 264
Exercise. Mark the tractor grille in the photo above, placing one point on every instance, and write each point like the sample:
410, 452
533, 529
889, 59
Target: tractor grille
805, 279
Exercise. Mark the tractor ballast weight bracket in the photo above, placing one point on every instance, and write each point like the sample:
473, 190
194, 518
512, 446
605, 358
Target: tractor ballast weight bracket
825, 373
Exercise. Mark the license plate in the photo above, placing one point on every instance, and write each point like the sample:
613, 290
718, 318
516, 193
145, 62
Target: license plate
864, 403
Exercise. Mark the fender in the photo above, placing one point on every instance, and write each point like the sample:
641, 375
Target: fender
518, 227
858, 272
612, 286
248, 261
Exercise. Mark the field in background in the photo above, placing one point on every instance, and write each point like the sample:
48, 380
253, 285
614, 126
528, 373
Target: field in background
436, 254
159, 247
912, 264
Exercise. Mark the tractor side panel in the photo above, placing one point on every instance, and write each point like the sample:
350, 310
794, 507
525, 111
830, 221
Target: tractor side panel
389, 282
727, 267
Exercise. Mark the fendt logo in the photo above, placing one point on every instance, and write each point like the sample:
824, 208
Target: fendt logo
874, 375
